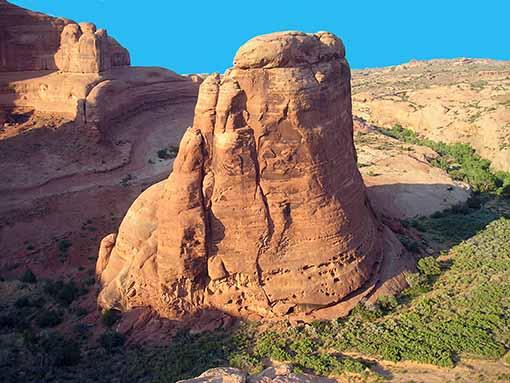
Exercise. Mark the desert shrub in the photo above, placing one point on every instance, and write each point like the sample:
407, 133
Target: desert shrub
460, 161
81, 330
463, 315
474, 202
48, 318
59, 350
387, 303
111, 340
429, 266
452, 226
167, 153
367, 312
28, 277
11, 319
410, 244
22, 302
110, 317
80, 312
64, 292
246, 362
64, 245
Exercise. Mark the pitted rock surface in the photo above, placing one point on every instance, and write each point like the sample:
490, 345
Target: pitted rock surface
265, 214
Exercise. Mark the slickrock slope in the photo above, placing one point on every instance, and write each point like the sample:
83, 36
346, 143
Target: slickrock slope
64, 90
76, 147
462, 100
401, 180
265, 213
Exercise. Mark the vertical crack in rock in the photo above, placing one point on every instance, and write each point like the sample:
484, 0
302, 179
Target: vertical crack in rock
263, 216
267, 236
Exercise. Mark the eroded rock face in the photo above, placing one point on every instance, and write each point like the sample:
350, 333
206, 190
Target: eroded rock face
31, 41
265, 213
83, 49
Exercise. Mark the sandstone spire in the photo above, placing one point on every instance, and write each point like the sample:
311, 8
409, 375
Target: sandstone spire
265, 213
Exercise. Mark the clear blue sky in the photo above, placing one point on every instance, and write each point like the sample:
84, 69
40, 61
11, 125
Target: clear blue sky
202, 36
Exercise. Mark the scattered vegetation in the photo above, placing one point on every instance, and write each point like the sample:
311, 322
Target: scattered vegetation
168, 153
460, 161
111, 340
64, 292
28, 277
110, 317
48, 318
126, 179
457, 305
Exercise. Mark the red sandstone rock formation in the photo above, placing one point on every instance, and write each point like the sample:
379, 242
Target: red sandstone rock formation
56, 66
31, 41
83, 49
265, 213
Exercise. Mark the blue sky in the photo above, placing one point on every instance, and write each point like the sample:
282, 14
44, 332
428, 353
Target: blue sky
203, 36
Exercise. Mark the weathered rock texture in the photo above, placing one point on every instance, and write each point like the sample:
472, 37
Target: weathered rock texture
31, 41
83, 49
280, 374
265, 213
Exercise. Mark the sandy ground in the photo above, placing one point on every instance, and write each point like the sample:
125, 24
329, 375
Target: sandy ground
82, 208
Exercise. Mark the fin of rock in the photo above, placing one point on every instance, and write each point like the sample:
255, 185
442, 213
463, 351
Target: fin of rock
32, 41
265, 214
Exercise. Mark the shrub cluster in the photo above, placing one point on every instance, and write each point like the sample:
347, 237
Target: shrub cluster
460, 161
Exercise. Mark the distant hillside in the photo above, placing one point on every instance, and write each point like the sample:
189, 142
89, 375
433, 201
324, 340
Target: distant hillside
460, 100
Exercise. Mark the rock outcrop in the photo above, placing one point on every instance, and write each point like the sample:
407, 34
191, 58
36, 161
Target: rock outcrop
56, 66
280, 374
265, 213
83, 49
31, 41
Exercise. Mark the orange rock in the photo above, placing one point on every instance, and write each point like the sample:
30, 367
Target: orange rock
265, 213
31, 41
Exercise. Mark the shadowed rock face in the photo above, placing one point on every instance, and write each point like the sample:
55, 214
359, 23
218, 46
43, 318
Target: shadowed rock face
265, 213
31, 41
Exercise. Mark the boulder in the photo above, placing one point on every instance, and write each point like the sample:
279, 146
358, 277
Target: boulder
265, 214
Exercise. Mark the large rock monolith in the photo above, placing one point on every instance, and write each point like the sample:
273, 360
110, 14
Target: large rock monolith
265, 213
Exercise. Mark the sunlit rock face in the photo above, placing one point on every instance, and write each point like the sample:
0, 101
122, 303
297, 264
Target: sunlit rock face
265, 213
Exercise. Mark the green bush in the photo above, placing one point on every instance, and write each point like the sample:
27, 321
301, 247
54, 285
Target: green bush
63, 292
167, 153
64, 245
429, 266
460, 161
110, 317
111, 340
48, 318
387, 303
410, 244
28, 277
60, 350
